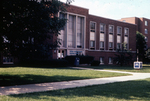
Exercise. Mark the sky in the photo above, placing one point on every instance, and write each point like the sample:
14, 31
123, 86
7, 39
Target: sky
115, 9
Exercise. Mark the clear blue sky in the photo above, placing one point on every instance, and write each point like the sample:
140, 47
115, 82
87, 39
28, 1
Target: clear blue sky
116, 9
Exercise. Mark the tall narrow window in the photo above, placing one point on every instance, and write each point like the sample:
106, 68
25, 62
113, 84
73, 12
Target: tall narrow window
126, 32
102, 36
62, 35
92, 35
119, 29
118, 42
101, 60
111, 32
146, 40
110, 60
126, 40
111, 29
102, 28
146, 23
146, 31
80, 32
119, 33
71, 31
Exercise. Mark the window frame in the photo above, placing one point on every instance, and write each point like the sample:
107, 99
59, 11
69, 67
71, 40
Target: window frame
119, 33
102, 60
126, 34
146, 31
146, 23
8, 60
94, 41
109, 60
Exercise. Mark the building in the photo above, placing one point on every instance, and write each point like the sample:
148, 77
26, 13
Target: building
142, 26
94, 36
86, 34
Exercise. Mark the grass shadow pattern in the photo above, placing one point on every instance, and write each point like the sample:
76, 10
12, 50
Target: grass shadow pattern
131, 90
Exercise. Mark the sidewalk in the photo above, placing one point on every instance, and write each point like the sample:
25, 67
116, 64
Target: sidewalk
20, 89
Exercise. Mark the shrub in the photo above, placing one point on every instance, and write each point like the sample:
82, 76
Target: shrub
83, 59
95, 63
50, 63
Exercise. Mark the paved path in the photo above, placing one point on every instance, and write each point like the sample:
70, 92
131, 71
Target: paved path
20, 89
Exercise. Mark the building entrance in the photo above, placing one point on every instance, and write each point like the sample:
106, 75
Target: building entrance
61, 54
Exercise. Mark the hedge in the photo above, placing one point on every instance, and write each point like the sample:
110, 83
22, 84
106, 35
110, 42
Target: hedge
83, 59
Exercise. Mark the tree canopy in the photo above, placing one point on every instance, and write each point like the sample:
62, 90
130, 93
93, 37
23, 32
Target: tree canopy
140, 44
28, 27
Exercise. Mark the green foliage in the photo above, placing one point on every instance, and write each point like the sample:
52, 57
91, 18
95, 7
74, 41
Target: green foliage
28, 27
83, 59
123, 57
44, 63
140, 45
95, 63
147, 56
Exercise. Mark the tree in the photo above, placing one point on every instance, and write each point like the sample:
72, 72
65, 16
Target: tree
123, 57
140, 45
28, 27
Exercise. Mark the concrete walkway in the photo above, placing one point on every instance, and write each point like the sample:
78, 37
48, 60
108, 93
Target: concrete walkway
20, 89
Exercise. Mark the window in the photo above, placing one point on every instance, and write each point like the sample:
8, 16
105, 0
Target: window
118, 45
126, 42
60, 54
102, 36
119, 29
79, 32
146, 23
110, 45
110, 60
71, 33
146, 40
110, 41
118, 42
92, 44
101, 60
111, 29
101, 45
126, 46
125, 39
146, 31
118, 39
8, 60
62, 35
92, 35
126, 31
110, 38
102, 28
101, 41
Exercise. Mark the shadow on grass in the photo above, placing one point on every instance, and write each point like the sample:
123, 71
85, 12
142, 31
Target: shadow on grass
110, 67
10, 80
131, 90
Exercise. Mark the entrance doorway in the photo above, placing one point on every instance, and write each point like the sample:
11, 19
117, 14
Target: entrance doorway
61, 54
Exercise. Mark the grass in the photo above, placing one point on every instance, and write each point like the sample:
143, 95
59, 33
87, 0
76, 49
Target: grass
138, 90
145, 69
25, 75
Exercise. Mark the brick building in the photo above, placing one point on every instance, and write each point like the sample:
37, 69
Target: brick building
86, 34
94, 36
142, 26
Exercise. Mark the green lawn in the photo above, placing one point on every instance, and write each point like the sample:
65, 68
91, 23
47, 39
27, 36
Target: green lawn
125, 91
26, 75
145, 69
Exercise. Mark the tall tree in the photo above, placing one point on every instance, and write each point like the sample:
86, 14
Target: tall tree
123, 56
28, 27
140, 45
